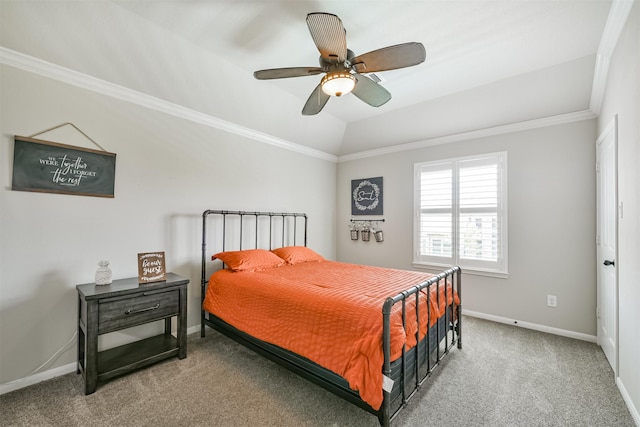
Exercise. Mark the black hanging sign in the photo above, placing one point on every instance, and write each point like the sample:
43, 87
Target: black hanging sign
50, 167
366, 196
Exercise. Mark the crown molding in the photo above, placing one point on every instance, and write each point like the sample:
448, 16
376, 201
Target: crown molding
599, 83
618, 15
616, 20
38, 66
481, 133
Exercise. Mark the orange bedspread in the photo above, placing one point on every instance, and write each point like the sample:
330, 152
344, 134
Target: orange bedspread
328, 312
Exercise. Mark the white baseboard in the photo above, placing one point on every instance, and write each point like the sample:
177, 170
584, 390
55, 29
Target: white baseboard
66, 369
577, 335
37, 378
627, 399
193, 330
534, 326
55, 372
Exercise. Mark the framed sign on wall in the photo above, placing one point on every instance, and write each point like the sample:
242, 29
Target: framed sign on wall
51, 167
366, 196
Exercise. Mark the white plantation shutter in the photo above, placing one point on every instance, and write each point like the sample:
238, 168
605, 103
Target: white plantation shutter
461, 212
436, 210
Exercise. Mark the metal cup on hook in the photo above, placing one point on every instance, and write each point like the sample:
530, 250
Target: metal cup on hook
377, 232
354, 231
366, 232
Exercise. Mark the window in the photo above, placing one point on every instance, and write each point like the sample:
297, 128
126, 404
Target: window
461, 214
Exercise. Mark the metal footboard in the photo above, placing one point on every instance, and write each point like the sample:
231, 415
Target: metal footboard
425, 358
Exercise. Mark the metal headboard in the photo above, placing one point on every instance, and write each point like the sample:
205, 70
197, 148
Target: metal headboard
250, 222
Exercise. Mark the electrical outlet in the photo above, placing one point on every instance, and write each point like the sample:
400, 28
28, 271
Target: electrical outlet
552, 301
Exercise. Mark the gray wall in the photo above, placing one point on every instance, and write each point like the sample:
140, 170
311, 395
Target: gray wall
622, 97
168, 171
551, 214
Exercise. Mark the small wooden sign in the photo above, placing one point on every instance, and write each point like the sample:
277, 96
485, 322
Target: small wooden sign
151, 267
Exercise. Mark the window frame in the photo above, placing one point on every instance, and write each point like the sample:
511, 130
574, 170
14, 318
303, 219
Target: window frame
499, 268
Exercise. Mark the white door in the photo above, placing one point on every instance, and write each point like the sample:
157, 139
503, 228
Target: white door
607, 231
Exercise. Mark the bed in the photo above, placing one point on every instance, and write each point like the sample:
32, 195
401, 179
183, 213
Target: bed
370, 335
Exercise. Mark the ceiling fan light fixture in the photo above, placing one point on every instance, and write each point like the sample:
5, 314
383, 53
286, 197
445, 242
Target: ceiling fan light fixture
338, 83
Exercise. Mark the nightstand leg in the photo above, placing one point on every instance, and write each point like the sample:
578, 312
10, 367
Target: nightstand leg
80, 355
91, 349
181, 333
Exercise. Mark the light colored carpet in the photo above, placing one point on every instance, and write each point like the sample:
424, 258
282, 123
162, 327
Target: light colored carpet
503, 376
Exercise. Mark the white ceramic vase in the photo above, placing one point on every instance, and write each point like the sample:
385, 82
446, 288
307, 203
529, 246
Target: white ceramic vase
103, 274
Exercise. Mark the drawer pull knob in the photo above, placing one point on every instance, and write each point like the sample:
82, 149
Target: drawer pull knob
129, 311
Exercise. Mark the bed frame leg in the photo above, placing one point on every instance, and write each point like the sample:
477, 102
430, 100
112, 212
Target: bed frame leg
459, 327
459, 308
202, 324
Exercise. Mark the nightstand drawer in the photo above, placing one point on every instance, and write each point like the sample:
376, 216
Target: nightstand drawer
118, 313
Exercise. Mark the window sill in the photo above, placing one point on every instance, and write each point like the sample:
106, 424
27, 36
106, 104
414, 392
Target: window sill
437, 268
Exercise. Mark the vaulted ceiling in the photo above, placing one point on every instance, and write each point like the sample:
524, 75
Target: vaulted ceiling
489, 62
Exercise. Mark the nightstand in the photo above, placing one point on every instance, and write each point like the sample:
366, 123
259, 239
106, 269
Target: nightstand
123, 304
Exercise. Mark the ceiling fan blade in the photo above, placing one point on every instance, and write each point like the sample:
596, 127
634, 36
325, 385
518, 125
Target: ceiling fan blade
329, 36
316, 102
369, 91
390, 58
281, 73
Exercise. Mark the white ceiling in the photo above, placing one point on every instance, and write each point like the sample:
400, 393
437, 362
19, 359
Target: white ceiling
469, 43
489, 62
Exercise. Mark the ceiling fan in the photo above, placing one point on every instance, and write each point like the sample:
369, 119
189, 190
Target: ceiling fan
344, 70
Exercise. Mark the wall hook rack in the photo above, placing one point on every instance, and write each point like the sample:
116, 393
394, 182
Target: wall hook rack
367, 220
365, 227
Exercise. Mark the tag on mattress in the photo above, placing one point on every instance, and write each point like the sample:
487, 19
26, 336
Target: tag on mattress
387, 384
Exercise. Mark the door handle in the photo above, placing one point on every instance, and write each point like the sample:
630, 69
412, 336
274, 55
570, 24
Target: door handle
607, 262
